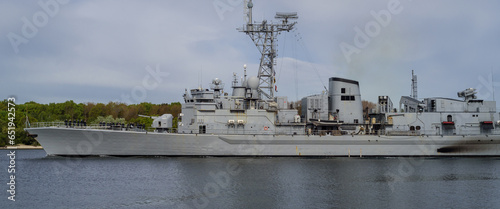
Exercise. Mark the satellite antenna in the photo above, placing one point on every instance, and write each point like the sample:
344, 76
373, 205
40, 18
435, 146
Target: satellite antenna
264, 35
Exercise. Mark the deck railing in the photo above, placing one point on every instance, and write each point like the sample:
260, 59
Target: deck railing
115, 127
46, 124
81, 126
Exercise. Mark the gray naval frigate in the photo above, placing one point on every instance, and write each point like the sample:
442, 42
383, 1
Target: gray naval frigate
252, 121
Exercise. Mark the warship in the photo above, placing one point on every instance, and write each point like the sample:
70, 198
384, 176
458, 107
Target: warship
252, 121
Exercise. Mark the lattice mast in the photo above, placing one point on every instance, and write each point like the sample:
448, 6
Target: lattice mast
414, 88
264, 35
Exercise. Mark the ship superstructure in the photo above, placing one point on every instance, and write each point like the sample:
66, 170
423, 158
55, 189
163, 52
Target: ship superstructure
207, 111
435, 116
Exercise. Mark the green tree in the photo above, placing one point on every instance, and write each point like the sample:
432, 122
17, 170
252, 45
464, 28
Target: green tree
97, 110
91, 112
109, 119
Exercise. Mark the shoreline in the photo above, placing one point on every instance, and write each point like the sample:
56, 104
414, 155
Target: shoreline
22, 147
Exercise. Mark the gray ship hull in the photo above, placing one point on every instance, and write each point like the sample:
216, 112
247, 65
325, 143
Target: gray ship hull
84, 142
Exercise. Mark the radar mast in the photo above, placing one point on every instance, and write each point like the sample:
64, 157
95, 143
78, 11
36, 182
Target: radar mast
264, 35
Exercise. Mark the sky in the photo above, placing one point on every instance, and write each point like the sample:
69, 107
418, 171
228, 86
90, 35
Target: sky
151, 51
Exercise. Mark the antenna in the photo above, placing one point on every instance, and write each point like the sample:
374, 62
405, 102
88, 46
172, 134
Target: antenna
492, 85
27, 125
200, 78
248, 11
414, 94
284, 16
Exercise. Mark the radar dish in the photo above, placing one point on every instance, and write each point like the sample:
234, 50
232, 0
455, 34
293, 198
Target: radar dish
253, 82
286, 15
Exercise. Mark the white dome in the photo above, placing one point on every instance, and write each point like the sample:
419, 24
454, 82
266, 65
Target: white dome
253, 82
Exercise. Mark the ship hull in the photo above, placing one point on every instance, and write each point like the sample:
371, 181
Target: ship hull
90, 142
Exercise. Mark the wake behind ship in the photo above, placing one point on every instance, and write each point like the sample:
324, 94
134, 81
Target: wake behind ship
252, 121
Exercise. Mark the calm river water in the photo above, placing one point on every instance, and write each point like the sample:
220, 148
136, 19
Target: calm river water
181, 182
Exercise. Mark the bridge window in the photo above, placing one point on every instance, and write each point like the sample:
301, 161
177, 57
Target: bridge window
342, 90
203, 129
347, 98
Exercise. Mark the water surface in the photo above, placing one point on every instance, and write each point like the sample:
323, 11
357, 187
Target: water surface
226, 182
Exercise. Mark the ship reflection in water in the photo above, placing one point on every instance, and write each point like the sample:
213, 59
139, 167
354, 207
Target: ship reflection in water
220, 182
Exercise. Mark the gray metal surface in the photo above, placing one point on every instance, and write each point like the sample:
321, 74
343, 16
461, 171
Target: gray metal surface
65, 141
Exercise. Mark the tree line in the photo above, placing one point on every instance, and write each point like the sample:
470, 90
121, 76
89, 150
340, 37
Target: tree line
32, 112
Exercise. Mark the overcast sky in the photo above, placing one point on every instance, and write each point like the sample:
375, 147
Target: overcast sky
136, 51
